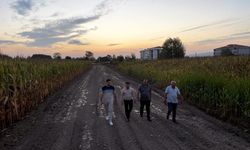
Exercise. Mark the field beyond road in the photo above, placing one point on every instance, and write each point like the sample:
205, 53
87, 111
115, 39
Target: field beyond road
71, 119
219, 86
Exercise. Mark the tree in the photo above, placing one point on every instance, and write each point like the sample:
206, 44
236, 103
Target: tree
120, 58
57, 56
40, 56
3, 56
109, 57
106, 59
226, 52
127, 58
89, 55
133, 57
172, 48
67, 57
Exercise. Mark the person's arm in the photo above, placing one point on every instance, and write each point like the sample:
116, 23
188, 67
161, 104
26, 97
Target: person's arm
101, 98
165, 96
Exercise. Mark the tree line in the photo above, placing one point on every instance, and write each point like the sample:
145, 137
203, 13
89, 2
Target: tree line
114, 58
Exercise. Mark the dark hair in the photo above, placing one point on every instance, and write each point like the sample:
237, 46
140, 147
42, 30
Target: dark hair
108, 80
127, 83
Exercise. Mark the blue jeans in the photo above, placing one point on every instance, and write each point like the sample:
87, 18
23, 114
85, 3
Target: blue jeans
172, 107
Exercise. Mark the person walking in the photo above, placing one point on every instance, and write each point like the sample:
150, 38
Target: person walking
108, 97
144, 95
128, 95
172, 94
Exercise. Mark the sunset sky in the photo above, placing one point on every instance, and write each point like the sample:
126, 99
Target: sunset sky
120, 26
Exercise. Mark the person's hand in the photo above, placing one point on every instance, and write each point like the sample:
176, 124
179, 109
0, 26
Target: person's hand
165, 101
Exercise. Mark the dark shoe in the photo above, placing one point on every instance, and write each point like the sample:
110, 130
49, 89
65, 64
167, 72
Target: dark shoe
149, 120
175, 121
167, 117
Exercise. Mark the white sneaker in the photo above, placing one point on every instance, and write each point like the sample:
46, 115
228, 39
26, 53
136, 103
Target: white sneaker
111, 123
107, 118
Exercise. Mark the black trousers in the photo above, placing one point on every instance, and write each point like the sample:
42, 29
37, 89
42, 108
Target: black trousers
143, 103
172, 107
128, 104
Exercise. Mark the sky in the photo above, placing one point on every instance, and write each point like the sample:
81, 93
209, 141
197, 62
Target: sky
119, 27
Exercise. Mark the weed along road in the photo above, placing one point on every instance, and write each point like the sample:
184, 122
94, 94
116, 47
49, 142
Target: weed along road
71, 119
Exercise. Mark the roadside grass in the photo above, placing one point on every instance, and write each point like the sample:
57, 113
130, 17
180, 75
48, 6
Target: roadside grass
219, 86
24, 84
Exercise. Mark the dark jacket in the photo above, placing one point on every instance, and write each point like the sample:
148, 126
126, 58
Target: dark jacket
145, 92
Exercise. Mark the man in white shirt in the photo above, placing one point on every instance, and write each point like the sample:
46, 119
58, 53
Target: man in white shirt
108, 96
128, 95
172, 94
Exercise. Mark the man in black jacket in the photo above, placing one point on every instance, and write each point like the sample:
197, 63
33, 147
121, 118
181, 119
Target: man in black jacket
144, 95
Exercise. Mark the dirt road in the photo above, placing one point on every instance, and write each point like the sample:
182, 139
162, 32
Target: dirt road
71, 120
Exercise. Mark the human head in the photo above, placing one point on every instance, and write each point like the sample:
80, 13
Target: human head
127, 85
173, 84
145, 81
108, 81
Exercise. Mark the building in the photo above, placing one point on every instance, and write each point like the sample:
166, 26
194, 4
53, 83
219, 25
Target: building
232, 49
151, 53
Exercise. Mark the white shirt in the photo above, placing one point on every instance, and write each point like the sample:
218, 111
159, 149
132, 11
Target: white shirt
127, 94
172, 94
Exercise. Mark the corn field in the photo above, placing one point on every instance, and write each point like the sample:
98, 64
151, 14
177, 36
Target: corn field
220, 86
24, 84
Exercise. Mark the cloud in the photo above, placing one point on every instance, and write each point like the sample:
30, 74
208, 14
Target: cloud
107, 6
114, 44
9, 42
235, 36
58, 31
24, 7
56, 14
103, 7
62, 30
240, 34
208, 25
65, 29
46, 42
77, 42
58, 28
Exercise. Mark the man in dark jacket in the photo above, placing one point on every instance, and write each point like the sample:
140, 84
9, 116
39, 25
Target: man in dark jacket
144, 95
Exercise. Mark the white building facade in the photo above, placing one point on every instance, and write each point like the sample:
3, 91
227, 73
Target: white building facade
235, 49
151, 53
